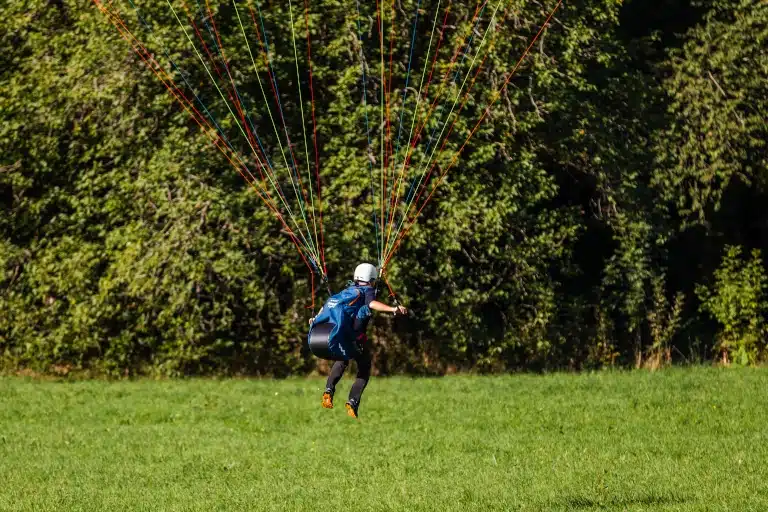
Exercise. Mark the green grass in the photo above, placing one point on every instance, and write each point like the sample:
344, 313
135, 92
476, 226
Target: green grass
683, 439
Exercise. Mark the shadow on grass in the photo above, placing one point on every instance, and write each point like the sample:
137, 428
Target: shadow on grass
585, 502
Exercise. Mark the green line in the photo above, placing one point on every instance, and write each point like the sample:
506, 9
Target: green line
272, 178
303, 122
458, 94
269, 111
311, 249
418, 105
382, 127
210, 75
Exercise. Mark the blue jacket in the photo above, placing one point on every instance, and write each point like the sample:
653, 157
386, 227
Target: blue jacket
348, 311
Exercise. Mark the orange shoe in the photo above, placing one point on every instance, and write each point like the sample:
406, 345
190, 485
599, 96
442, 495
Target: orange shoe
351, 408
328, 399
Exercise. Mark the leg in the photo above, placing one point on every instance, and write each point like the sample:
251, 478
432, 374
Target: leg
333, 378
361, 381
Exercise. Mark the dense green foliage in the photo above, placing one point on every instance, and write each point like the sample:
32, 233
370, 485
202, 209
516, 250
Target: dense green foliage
739, 305
575, 230
680, 440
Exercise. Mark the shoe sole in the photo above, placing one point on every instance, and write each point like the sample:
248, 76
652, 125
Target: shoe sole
327, 401
351, 412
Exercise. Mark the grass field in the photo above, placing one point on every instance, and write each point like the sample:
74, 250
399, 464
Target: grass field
682, 439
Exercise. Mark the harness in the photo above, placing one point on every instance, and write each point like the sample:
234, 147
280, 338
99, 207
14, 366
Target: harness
334, 331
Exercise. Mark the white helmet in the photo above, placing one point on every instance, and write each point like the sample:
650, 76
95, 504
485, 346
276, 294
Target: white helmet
365, 272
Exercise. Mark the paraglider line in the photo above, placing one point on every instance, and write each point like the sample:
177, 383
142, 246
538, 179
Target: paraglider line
432, 157
415, 140
314, 138
272, 82
237, 99
368, 134
168, 82
276, 92
395, 188
388, 154
174, 65
213, 81
303, 122
475, 22
401, 176
477, 125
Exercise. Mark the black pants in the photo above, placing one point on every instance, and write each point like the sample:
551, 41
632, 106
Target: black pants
363, 360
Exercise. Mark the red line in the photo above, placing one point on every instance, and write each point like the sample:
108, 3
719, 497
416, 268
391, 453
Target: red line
236, 99
148, 59
442, 86
452, 63
231, 93
386, 281
314, 136
426, 89
266, 62
401, 176
172, 88
272, 83
437, 51
477, 125
379, 16
465, 99
388, 150
207, 51
178, 95
312, 274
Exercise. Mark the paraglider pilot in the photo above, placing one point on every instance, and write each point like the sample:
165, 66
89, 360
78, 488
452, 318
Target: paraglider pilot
337, 333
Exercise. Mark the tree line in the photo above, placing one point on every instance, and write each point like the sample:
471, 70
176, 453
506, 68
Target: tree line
608, 211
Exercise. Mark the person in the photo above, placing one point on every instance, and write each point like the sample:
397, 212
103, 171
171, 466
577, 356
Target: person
345, 317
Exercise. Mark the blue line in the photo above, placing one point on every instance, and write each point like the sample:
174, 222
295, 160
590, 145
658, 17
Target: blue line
273, 80
407, 76
441, 106
181, 73
368, 133
240, 99
405, 90
208, 113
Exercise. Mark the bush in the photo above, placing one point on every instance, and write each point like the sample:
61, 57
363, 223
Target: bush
737, 302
